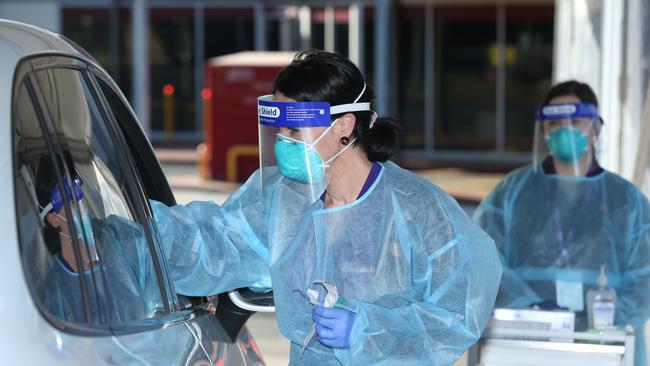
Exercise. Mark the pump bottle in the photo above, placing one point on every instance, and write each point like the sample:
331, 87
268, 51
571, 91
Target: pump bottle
601, 304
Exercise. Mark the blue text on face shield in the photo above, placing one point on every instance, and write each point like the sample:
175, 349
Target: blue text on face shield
293, 114
273, 112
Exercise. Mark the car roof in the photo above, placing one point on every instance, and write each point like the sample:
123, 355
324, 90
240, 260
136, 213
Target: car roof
20, 40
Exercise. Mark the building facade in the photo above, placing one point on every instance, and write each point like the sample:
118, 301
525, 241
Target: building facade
463, 77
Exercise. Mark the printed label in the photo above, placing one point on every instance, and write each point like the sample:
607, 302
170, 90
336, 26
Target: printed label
272, 112
294, 114
603, 314
551, 110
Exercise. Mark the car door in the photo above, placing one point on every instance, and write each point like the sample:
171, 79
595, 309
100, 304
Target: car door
89, 247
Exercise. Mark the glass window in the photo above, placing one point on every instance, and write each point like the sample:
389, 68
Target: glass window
238, 24
465, 78
341, 29
318, 28
89, 262
172, 64
529, 64
273, 16
152, 177
411, 80
369, 45
105, 32
466, 71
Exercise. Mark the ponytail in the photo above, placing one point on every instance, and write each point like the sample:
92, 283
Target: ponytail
381, 141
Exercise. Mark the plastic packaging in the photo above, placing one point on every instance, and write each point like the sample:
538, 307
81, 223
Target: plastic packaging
332, 300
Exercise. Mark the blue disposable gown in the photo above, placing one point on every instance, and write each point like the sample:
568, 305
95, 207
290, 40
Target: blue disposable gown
552, 228
122, 287
421, 277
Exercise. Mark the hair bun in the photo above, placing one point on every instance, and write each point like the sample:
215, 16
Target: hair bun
383, 139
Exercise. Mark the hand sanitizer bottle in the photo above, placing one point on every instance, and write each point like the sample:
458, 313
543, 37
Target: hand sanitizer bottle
601, 304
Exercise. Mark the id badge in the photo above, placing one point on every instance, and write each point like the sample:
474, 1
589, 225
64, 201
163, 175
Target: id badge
569, 295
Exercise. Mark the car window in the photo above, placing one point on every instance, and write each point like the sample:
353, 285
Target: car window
89, 261
153, 179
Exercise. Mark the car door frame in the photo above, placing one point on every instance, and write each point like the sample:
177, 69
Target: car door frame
157, 187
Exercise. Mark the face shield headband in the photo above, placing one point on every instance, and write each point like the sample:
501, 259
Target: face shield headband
303, 114
551, 112
56, 198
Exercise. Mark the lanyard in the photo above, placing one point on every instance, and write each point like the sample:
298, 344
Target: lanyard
564, 241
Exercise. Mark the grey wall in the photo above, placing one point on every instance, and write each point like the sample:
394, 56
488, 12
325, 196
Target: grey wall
43, 13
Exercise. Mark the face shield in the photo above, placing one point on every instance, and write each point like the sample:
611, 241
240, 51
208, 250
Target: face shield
291, 143
79, 217
566, 133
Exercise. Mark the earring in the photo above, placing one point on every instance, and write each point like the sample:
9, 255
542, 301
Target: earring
345, 140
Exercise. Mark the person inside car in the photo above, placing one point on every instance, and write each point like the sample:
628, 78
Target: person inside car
108, 253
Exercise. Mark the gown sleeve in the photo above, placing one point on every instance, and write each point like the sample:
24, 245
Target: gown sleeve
212, 249
634, 291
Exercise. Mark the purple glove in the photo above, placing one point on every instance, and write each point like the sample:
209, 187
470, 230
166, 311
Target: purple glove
333, 326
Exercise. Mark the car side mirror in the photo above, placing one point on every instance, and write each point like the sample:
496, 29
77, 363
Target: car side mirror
234, 309
260, 302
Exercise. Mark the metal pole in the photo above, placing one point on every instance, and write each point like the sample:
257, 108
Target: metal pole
304, 25
563, 47
500, 115
141, 92
429, 78
355, 34
169, 111
260, 34
286, 31
199, 60
382, 39
329, 29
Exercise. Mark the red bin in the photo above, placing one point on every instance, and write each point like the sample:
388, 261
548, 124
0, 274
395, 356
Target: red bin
233, 84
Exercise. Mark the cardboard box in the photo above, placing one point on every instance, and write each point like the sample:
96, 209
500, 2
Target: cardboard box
530, 319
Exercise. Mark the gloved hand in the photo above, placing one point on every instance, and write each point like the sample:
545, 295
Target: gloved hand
333, 326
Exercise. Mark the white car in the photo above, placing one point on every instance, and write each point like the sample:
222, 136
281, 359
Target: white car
84, 278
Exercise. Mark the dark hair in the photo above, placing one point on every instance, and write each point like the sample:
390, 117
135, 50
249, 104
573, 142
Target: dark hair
316, 75
572, 87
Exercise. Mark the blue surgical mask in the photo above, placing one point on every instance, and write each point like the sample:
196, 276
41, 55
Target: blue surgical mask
84, 230
300, 161
85, 227
567, 144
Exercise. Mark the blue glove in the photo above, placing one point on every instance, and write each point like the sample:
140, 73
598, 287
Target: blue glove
333, 326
